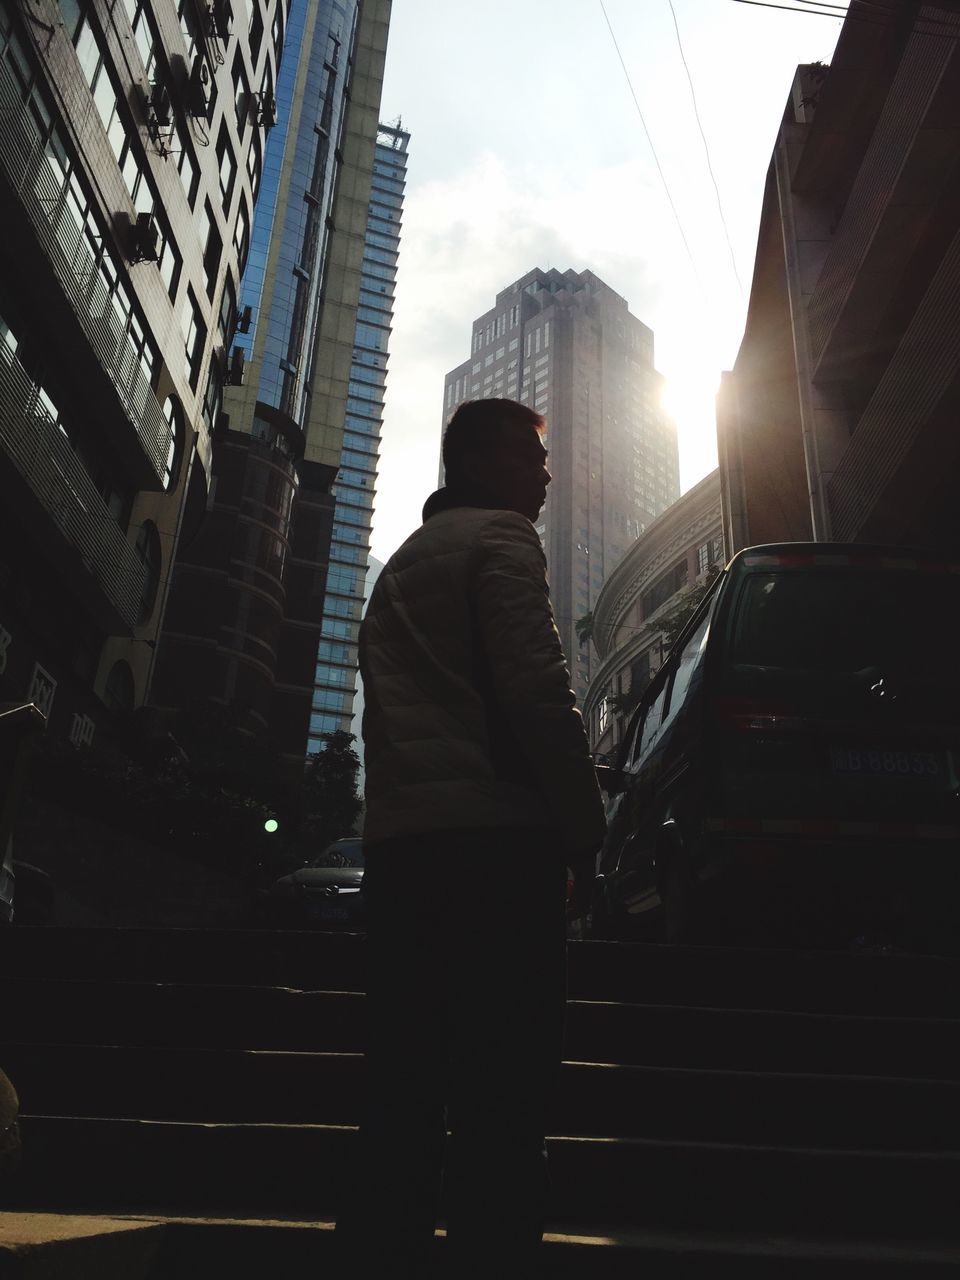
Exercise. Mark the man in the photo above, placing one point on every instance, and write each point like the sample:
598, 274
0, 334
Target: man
480, 793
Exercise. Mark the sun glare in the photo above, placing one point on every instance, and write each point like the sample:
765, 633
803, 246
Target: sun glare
691, 402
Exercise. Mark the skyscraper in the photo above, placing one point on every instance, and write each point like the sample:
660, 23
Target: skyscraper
356, 479
566, 344
131, 137
247, 600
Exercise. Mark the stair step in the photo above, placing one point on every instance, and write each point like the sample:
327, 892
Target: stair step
75, 1164
195, 1249
763, 1039
598, 1099
233, 1017
35, 1245
204, 1016
721, 977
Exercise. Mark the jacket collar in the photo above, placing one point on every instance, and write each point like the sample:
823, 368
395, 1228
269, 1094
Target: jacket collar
446, 498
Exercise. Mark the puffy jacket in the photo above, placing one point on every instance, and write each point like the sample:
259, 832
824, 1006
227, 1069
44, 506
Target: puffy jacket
469, 718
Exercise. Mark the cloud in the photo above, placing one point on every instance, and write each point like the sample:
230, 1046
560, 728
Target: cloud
467, 237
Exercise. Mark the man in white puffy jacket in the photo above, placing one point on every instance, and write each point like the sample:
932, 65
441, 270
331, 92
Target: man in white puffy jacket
480, 793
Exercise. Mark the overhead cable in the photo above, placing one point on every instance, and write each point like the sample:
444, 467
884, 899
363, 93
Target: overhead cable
653, 151
706, 148
945, 31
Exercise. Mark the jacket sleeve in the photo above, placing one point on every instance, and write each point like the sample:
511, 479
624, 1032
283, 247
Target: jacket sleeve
530, 679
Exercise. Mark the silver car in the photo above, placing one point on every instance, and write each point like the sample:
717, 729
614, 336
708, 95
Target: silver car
324, 893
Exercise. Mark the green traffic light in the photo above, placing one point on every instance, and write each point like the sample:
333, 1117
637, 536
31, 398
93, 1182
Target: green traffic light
271, 825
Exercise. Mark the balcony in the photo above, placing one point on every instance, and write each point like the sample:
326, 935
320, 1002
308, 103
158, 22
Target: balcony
22, 157
43, 456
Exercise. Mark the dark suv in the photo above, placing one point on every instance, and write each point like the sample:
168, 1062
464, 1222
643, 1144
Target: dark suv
792, 770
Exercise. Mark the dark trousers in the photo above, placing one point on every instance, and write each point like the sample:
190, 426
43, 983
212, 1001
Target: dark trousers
466, 993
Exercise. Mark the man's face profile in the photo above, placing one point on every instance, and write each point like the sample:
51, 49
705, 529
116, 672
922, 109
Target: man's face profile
513, 469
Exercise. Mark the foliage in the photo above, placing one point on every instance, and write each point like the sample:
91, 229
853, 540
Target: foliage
331, 800
584, 628
624, 703
670, 623
206, 789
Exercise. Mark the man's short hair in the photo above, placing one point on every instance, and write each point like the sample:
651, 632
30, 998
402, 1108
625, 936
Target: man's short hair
478, 423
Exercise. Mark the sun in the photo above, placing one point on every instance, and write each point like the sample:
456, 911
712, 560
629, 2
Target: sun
690, 400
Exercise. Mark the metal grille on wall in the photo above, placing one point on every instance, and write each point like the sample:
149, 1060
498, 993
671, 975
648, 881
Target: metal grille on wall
22, 156
44, 457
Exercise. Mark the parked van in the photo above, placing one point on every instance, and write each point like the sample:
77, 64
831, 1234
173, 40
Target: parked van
792, 769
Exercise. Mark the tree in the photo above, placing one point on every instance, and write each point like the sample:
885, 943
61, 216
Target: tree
584, 628
331, 800
671, 623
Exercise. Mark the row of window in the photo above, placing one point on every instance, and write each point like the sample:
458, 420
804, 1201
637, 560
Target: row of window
75, 220
498, 325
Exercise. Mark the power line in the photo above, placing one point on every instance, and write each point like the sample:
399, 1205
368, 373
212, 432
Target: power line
653, 150
884, 13
946, 31
706, 148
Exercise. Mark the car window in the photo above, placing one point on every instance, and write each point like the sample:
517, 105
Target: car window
844, 620
650, 728
689, 660
342, 853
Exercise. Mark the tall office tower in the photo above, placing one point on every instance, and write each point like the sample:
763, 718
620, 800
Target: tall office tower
356, 480
566, 344
131, 137
247, 604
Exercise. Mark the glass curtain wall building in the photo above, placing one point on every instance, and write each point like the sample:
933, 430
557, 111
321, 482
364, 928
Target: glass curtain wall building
356, 480
291, 236
248, 595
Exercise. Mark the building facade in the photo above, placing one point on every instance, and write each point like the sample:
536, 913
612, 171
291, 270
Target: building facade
247, 611
355, 489
674, 556
566, 344
131, 140
838, 420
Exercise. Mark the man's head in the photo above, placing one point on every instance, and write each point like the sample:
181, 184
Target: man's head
493, 451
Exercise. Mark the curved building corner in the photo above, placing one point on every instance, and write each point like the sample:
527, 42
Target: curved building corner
674, 554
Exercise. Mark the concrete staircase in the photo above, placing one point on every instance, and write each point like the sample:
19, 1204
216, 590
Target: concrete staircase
784, 1113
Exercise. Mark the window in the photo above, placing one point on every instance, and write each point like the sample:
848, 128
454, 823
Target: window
227, 320
118, 692
227, 166
241, 236
194, 338
211, 247
213, 395
664, 588
685, 666
174, 416
187, 165
186, 12
253, 165
241, 94
278, 34
256, 31
649, 729
147, 548
703, 558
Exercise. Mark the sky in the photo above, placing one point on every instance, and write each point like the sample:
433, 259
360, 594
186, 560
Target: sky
527, 150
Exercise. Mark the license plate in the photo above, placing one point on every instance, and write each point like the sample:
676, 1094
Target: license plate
870, 762
328, 911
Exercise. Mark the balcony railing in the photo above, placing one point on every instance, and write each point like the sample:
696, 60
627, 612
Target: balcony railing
22, 156
44, 457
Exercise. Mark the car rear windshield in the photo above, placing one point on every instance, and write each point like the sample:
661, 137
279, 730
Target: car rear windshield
846, 620
345, 853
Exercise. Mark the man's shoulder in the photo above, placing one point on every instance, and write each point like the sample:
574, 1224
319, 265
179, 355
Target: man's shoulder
462, 528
